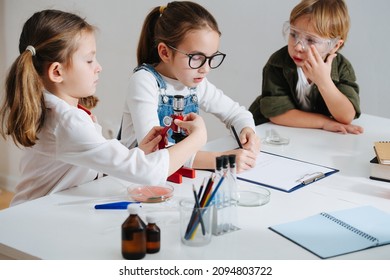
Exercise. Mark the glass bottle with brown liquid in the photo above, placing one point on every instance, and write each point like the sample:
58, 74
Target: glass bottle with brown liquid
152, 235
133, 235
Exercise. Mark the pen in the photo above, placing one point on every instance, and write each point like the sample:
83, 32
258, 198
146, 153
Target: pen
236, 136
115, 205
310, 178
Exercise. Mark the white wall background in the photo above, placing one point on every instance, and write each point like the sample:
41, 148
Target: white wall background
251, 31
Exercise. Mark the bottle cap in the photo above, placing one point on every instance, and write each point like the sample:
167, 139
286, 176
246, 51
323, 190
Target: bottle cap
219, 161
232, 160
225, 161
151, 219
133, 208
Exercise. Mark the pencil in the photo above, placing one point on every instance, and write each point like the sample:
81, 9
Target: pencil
236, 136
194, 220
208, 202
198, 210
207, 190
211, 197
194, 217
201, 189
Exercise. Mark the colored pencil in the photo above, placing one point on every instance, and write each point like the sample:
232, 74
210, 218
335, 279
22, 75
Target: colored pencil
197, 207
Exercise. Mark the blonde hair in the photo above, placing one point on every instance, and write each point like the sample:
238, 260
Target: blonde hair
53, 35
89, 102
330, 18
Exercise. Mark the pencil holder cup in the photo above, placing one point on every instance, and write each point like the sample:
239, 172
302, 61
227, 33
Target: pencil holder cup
195, 223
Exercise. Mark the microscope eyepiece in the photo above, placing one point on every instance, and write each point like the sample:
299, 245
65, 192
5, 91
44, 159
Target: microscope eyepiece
178, 103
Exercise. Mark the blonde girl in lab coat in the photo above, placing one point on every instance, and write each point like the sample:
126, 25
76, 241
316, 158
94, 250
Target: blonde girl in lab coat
63, 145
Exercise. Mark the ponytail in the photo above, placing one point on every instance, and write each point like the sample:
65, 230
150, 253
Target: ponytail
23, 108
48, 36
147, 48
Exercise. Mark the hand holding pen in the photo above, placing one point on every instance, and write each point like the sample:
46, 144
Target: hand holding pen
247, 154
247, 139
237, 137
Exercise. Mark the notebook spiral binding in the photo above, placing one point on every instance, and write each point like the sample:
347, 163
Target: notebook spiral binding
351, 228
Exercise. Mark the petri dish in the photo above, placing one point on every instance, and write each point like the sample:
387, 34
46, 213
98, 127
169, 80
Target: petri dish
150, 194
273, 138
252, 198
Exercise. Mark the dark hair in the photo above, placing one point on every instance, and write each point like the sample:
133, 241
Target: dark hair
169, 25
53, 35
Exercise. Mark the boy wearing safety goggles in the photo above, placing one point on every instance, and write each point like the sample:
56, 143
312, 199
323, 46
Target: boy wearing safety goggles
307, 83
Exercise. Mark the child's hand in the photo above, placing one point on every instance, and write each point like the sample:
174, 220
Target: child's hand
315, 69
150, 143
334, 126
245, 159
193, 124
249, 140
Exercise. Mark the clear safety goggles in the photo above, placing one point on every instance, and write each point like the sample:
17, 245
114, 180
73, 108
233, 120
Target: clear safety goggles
297, 36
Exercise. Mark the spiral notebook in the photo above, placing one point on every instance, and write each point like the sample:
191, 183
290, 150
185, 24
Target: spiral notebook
382, 150
341, 232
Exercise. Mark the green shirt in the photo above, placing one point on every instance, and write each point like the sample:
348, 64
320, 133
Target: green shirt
280, 79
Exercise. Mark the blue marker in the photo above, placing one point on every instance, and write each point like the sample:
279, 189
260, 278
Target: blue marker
115, 205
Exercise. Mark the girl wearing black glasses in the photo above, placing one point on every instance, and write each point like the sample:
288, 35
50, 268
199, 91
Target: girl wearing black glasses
178, 46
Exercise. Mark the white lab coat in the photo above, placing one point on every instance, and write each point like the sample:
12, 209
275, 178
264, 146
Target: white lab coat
71, 151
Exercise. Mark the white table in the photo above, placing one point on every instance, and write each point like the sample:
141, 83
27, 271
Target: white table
65, 225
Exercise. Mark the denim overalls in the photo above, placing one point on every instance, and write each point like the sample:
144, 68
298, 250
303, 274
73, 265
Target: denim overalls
165, 102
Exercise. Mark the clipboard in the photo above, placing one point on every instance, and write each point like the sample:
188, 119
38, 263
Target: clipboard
284, 173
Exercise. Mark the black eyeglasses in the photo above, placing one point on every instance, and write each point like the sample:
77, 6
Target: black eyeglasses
197, 60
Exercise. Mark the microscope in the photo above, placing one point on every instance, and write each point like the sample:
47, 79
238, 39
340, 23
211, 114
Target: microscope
177, 135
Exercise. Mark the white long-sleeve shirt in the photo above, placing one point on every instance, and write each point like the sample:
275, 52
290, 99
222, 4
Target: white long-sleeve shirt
71, 151
140, 112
